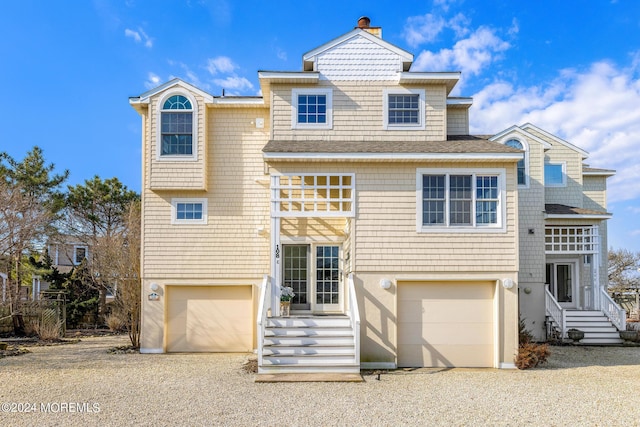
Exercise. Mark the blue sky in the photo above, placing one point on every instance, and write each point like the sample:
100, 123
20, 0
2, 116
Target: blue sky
569, 67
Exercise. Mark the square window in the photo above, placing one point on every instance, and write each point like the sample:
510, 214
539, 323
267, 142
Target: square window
554, 175
311, 108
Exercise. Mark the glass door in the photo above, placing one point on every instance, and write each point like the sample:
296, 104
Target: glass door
296, 275
560, 277
313, 271
328, 289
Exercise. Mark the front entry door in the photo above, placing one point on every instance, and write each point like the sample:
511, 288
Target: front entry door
313, 271
562, 283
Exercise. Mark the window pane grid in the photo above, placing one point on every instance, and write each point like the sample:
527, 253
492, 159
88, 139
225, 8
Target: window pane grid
296, 271
177, 131
327, 275
404, 109
460, 200
189, 211
312, 109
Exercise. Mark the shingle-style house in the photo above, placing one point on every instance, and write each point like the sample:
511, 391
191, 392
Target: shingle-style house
407, 241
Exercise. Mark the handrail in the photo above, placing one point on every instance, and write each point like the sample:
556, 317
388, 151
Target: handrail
613, 311
555, 311
262, 315
354, 315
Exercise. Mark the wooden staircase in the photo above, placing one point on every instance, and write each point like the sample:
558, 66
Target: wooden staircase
597, 328
309, 344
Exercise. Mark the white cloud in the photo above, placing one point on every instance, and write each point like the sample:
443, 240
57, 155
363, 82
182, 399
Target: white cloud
139, 36
595, 109
470, 55
221, 64
423, 29
234, 83
153, 80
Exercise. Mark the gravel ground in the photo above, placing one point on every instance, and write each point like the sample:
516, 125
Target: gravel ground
579, 386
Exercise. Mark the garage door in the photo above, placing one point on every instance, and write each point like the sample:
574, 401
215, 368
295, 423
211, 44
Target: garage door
445, 324
209, 318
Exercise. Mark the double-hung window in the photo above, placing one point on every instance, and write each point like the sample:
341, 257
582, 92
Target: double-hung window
176, 127
311, 108
460, 199
189, 211
403, 109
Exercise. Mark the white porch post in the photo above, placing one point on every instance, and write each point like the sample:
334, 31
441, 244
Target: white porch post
276, 249
596, 267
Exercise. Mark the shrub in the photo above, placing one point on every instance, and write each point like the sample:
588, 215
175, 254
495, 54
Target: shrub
48, 329
530, 354
115, 322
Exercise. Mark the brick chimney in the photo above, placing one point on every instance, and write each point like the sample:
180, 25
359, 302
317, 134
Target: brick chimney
364, 23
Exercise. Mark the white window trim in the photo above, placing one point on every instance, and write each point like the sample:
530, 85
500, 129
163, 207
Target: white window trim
525, 147
563, 164
194, 133
499, 227
174, 211
75, 248
294, 108
403, 91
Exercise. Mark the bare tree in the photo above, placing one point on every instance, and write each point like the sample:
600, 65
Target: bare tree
120, 257
623, 270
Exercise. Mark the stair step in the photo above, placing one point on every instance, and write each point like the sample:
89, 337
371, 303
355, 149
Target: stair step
289, 369
602, 335
583, 324
336, 360
600, 341
309, 350
584, 313
304, 322
309, 341
602, 329
308, 332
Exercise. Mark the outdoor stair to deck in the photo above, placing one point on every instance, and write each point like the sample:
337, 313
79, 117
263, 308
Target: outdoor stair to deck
309, 344
597, 328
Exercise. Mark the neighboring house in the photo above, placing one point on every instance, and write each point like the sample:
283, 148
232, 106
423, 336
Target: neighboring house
65, 252
407, 241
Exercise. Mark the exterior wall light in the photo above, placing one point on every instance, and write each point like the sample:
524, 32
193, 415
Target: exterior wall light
507, 283
385, 283
154, 287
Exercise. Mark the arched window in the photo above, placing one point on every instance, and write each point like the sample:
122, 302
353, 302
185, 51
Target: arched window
522, 169
176, 127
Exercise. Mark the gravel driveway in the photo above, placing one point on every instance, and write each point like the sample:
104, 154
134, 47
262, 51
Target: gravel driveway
81, 384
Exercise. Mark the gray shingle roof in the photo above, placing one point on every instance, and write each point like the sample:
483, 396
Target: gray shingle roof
557, 209
454, 144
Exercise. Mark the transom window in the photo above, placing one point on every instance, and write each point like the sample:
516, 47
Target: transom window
176, 127
312, 108
189, 211
555, 175
404, 109
522, 170
459, 199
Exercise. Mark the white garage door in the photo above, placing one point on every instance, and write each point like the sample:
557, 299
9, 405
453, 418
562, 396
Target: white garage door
209, 319
445, 324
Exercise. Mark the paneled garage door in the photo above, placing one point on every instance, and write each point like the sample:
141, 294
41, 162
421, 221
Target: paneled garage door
447, 324
209, 319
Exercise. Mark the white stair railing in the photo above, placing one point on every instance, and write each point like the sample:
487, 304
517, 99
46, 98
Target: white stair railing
617, 315
556, 312
354, 315
263, 307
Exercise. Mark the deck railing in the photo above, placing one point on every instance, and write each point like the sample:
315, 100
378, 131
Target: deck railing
557, 314
354, 315
263, 307
613, 311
